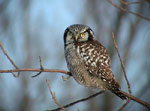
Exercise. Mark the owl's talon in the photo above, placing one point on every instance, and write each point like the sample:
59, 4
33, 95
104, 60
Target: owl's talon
66, 78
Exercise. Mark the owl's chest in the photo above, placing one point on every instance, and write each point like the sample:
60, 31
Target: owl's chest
75, 63
73, 58
81, 55
78, 62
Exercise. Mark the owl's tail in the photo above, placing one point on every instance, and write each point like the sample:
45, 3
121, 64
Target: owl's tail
119, 93
115, 88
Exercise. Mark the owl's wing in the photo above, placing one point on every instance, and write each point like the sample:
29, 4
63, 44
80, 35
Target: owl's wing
97, 63
97, 60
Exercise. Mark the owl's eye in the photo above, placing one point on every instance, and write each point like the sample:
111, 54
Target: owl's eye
82, 35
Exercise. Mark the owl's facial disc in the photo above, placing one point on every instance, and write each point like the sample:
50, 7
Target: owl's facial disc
78, 33
69, 37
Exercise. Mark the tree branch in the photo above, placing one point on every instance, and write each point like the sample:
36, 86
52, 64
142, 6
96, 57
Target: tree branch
80, 100
124, 105
124, 71
131, 3
41, 66
122, 64
5, 53
36, 70
127, 11
1, 46
54, 96
137, 100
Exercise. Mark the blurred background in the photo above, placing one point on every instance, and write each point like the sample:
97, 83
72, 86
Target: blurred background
33, 28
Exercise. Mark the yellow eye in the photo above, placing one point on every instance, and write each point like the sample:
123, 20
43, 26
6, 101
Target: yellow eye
82, 35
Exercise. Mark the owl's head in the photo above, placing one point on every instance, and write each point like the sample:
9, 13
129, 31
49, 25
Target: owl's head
78, 33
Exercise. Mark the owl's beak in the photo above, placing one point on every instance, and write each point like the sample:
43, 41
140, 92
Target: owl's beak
76, 37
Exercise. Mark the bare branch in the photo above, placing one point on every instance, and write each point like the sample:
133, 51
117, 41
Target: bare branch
8, 56
66, 78
41, 66
54, 95
124, 105
127, 11
137, 100
122, 64
81, 100
123, 68
5, 53
129, 89
14, 74
36, 70
131, 3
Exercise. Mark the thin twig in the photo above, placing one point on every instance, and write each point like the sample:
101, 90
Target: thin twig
131, 3
122, 64
54, 95
41, 66
123, 68
5, 53
8, 56
14, 74
80, 100
127, 11
124, 105
66, 78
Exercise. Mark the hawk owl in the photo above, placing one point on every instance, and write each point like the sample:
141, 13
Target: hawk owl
88, 60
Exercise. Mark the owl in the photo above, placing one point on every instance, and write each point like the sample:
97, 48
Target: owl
88, 60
